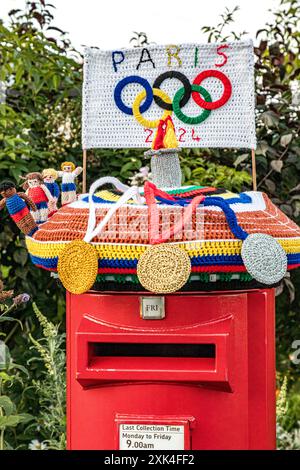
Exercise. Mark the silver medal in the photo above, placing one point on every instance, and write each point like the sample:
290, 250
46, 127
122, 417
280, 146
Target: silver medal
264, 258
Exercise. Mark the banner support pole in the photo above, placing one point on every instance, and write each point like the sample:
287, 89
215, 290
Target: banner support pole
84, 160
254, 176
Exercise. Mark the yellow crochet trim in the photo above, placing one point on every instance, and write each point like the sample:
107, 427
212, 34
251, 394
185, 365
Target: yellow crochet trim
136, 108
111, 197
227, 195
115, 250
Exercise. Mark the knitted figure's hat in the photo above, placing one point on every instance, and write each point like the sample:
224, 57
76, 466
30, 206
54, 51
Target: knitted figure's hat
232, 241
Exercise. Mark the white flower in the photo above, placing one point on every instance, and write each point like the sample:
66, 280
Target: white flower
139, 178
35, 444
144, 171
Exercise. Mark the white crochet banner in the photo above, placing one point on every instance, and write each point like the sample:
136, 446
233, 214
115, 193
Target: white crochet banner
208, 89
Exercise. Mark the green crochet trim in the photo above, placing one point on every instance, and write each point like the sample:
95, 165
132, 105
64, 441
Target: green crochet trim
121, 278
202, 277
187, 189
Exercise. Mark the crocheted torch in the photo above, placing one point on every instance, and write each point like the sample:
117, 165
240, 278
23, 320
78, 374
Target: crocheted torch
18, 205
165, 166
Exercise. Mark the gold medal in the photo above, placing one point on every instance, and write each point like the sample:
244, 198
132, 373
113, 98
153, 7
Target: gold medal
163, 268
78, 266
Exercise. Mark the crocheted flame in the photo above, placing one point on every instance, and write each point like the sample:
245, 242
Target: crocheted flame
165, 137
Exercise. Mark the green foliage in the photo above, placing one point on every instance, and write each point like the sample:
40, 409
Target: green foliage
51, 387
10, 417
281, 404
287, 440
42, 391
11, 373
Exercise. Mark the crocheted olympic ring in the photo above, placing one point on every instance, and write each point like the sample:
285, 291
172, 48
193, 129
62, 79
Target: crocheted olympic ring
199, 94
183, 117
136, 110
185, 82
126, 81
226, 93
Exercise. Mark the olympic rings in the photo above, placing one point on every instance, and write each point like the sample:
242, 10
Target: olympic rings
126, 81
183, 79
183, 117
226, 93
136, 110
199, 94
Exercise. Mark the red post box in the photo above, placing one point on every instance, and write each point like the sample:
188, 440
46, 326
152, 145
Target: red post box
188, 371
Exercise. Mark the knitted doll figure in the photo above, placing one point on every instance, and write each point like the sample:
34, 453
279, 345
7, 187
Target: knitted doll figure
68, 174
40, 195
49, 176
18, 205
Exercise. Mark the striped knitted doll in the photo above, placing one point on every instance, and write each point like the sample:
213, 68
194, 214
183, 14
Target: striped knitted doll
18, 205
68, 174
49, 176
40, 195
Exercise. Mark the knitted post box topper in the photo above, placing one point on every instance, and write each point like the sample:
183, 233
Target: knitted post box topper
68, 174
18, 205
50, 176
232, 240
40, 195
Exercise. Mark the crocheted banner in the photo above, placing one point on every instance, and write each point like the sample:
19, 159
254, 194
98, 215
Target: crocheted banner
207, 88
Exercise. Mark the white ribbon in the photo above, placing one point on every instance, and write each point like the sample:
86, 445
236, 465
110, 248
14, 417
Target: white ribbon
129, 193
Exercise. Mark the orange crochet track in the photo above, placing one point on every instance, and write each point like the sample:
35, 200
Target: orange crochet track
130, 225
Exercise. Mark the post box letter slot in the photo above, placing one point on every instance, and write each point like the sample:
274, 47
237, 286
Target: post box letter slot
152, 360
153, 350
167, 359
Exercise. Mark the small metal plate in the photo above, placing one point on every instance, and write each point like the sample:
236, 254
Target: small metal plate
152, 308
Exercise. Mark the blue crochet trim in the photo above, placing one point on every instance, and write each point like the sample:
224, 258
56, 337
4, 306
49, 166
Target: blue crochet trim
97, 199
223, 204
241, 199
227, 260
50, 263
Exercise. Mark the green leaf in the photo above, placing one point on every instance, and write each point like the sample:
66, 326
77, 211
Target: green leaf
56, 81
19, 74
241, 158
5, 358
270, 119
4, 318
20, 256
286, 139
19, 367
14, 420
5, 377
277, 165
262, 148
